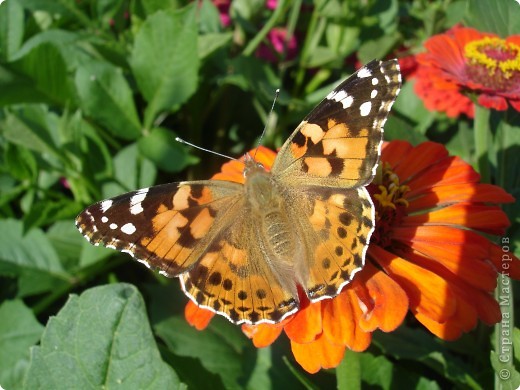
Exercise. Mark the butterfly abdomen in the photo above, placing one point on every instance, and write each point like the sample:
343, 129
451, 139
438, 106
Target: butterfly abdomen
265, 202
278, 234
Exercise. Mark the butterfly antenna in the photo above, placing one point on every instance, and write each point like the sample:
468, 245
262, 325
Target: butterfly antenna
178, 139
276, 94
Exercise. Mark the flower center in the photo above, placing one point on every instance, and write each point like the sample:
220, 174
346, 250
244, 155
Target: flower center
493, 62
388, 196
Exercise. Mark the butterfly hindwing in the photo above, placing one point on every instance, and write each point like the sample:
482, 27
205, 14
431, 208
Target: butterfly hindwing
236, 280
338, 143
340, 223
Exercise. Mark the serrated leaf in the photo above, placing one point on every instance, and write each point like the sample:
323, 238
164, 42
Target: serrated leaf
165, 60
105, 96
219, 347
19, 330
101, 339
31, 257
160, 147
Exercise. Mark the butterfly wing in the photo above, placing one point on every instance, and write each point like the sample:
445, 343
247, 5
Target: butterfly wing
324, 166
166, 227
338, 143
234, 277
335, 225
201, 232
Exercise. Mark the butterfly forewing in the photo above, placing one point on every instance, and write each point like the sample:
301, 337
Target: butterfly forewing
338, 143
166, 227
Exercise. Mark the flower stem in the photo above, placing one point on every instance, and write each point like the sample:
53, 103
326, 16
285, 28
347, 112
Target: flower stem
271, 22
481, 133
348, 373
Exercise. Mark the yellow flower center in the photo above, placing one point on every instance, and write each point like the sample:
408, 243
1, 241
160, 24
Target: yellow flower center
390, 203
493, 62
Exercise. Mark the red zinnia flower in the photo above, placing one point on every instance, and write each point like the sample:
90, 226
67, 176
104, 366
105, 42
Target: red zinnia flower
465, 60
426, 256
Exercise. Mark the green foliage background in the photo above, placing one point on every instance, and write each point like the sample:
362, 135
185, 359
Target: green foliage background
92, 95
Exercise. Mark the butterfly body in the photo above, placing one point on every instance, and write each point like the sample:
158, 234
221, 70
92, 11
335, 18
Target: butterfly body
244, 249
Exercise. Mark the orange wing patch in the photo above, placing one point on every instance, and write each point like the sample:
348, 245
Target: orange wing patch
343, 224
227, 282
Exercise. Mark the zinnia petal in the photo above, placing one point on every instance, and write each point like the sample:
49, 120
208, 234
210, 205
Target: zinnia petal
318, 354
341, 321
385, 302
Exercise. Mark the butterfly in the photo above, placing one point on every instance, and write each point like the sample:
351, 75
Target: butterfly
244, 250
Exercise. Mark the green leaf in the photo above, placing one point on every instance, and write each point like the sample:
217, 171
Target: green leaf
19, 330
30, 126
49, 211
160, 147
101, 339
165, 60
45, 66
105, 96
209, 43
75, 48
381, 373
495, 16
219, 347
131, 172
17, 89
416, 345
504, 359
20, 163
67, 241
11, 29
209, 18
31, 257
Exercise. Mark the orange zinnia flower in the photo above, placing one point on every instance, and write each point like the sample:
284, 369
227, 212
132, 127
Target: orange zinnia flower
426, 256
465, 60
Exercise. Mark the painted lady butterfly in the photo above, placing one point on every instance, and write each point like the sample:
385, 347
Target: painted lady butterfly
242, 250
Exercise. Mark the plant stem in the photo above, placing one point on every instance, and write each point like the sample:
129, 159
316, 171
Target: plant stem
271, 22
481, 133
348, 373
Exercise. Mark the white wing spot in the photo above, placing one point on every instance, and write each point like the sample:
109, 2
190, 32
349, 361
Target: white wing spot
113, 226
375, 81
373, 94
365, 108
104, 219
364, 72
341, 97
105, 205
128, 228
136, 200
347, 102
